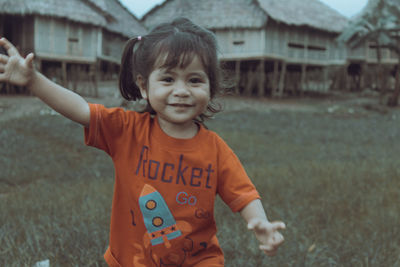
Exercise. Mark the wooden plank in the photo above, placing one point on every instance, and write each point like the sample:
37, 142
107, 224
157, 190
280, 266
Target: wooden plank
303, 78
325, 78
362, 75
261, 78
237, 77
94, 74
282, 79
64, 73
346, 77
275, 78
251, 77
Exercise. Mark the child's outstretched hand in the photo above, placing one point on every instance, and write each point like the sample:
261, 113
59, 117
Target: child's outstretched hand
268, 234
13, 67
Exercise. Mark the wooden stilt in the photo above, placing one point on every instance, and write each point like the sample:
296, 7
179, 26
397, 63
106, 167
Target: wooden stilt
345, 77
303, 78
282, 79
64, 74
362, 78
325, 78
261, 78
75, 73
237, 77
95, 76
250, 82
275, 78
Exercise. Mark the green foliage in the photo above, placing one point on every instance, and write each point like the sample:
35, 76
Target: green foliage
379, 22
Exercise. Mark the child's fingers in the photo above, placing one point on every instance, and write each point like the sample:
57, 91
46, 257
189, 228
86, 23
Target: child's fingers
261, 225
278, 239
269, 250
254, 224
29, 60
258, 225
3, 59
278, 226
11, 50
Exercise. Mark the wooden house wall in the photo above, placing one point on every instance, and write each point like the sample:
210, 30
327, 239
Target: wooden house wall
112, 46
240, 43
367, 52
274, 42
65, 40
303, 45
292, 44
356, 54
387, 56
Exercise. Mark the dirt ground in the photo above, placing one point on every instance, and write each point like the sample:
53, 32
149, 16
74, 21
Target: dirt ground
15, 106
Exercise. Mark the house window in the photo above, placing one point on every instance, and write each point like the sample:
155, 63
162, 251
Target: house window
316, 48
238, 37
73, 39
241, 42
296, 45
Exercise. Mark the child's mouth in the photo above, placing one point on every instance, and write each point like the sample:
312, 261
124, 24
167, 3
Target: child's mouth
181, 105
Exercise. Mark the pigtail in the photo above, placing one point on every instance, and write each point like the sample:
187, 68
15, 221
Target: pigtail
127, 85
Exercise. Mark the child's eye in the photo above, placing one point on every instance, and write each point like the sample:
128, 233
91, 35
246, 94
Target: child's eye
167, 79
196, 80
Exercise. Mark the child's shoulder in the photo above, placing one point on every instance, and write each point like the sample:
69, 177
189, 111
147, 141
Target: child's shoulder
117, 109
116, 114
215, 138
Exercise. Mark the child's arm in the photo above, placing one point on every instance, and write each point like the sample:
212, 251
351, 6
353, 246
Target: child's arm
266, 232
20, 71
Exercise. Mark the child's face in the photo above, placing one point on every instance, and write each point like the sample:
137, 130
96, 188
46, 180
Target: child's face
178, 95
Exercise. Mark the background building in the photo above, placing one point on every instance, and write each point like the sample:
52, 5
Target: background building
272, 46
75, 42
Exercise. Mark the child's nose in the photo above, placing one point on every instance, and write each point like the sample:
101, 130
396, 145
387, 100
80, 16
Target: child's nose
181, 89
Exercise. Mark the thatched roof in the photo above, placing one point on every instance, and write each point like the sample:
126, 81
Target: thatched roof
109, 14
75, 10
311, 13
122, 21
211, 14
248, 13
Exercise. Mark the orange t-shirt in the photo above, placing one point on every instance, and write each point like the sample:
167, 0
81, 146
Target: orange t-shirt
164, 191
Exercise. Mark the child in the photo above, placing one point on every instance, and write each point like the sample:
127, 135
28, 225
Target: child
168, 166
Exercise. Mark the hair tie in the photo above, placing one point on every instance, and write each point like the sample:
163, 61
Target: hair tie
139, 37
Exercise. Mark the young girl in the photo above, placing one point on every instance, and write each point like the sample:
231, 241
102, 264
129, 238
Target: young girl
168, 166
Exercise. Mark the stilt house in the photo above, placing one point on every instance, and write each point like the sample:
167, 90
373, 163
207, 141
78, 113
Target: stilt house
370, 63
272, 46
74, 40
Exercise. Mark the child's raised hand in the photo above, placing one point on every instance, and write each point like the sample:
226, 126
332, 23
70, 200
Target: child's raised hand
14, 68
268, 234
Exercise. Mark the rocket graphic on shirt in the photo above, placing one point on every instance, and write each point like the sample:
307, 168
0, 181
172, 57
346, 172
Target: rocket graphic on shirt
159, 222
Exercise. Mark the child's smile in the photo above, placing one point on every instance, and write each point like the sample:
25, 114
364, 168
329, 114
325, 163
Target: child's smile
178, 96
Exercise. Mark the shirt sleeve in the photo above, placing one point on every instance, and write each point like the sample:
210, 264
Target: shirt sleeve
106, 127
234, 186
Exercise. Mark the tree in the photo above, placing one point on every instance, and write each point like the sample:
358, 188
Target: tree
379, 22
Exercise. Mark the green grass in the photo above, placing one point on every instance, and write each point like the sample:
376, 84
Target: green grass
334, 180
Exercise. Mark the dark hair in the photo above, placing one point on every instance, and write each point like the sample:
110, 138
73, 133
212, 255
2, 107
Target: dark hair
181, 40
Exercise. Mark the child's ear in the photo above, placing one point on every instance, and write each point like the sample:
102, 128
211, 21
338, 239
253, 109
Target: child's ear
140, 82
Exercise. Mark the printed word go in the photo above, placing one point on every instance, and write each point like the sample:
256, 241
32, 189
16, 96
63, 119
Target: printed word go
183, 198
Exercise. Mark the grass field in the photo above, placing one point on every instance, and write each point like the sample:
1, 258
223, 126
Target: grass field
333, 178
